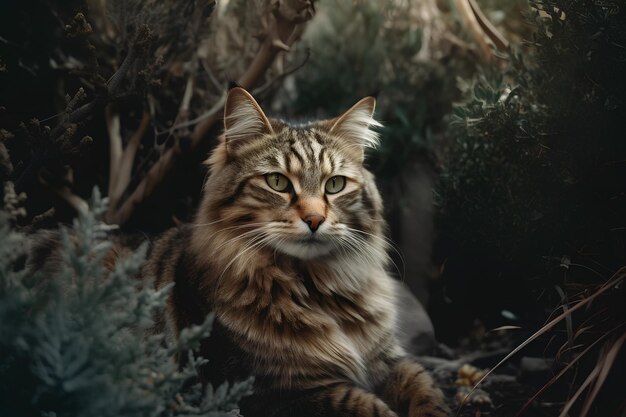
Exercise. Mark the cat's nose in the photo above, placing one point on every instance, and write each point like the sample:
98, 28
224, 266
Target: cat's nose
314, 221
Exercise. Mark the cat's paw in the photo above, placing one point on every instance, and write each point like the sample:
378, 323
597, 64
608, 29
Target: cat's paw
439, 410
374, 408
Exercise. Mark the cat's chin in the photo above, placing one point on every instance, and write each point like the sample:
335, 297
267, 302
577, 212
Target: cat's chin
305, 249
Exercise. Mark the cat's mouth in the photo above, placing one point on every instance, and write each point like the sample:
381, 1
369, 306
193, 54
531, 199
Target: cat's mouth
312, 240
308, 247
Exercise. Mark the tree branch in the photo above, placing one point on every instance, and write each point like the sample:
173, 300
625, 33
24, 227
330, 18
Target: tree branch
484, 33
115, 147
286, 20
63, 190
490, 30
285, 17
121, 159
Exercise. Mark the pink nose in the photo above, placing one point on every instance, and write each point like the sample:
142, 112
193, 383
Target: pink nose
314, 221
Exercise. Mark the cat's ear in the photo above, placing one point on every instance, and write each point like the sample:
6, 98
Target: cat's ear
244, 119
355, 125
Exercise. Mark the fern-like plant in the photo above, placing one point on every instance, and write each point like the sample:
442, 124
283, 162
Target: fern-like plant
74, 344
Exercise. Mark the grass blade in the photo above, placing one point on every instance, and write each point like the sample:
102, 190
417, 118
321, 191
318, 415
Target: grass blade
561, 373
607, 363
592, 375
615, 279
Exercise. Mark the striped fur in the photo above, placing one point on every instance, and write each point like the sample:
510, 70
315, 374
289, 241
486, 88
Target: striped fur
310, 314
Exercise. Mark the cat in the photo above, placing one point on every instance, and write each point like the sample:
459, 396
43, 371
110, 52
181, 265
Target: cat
288, 250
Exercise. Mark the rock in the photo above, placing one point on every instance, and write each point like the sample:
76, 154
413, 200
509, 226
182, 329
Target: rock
534, 365
415, 330
532, 368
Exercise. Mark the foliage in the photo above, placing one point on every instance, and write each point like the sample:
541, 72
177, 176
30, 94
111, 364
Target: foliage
77, 58
148, 75
73, 343
533, 166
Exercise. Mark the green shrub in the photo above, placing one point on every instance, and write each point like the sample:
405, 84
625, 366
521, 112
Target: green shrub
73, 343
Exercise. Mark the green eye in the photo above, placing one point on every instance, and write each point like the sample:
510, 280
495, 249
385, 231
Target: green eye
277, 182
335, 184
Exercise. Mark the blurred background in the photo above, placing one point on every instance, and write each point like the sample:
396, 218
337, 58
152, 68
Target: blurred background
502, 163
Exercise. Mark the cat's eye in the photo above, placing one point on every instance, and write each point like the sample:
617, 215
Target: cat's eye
335, 184
277, 182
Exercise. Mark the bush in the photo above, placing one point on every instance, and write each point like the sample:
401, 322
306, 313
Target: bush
532, 196
74, 344
535, 164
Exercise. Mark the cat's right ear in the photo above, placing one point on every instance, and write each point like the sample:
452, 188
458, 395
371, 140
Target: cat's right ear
244, 119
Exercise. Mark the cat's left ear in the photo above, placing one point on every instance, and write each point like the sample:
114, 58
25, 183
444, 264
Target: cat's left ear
244, 119
355, 125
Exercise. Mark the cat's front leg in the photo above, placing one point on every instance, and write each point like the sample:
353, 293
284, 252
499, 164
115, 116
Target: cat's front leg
334, 400
410, 391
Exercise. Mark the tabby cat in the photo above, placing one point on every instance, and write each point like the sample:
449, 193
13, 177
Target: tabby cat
287, 249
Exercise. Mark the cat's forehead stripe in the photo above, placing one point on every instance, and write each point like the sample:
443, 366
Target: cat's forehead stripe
296, 162
301, 157
303, 152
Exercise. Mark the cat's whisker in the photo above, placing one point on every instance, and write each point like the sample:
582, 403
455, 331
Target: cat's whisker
388, 242
382, 253
368, 253
383, 238
337, 244
253, 232
238, 237
359, 249
206, 224
250, 245
361, 245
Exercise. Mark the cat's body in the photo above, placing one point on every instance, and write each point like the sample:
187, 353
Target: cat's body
288, 251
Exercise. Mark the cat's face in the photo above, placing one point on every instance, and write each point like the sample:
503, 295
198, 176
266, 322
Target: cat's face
298, 190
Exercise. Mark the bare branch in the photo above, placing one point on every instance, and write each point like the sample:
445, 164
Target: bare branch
156, 173
286, 22
64, 191
270, 83
183, 112
219, 104
490, 30
115, 146
484, 33
119, 176
472, 25
116, 79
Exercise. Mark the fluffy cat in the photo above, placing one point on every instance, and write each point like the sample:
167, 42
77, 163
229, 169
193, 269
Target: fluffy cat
288, 250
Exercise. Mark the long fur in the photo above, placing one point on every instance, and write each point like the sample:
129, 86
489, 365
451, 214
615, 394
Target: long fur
356, 124
244, 118
310, 313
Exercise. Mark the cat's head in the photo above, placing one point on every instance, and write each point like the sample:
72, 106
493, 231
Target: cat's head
296, 190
